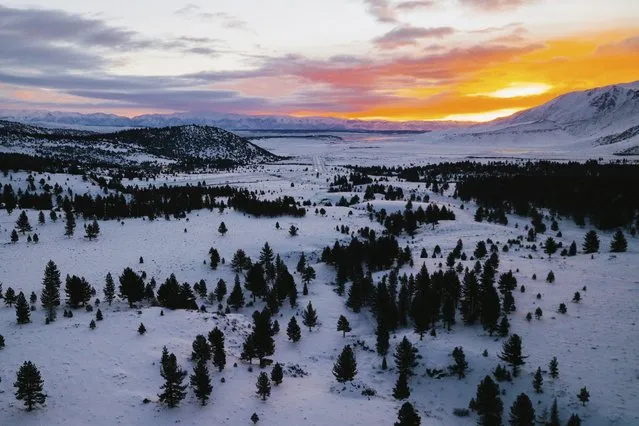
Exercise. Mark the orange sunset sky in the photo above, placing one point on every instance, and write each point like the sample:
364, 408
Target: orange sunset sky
469, 60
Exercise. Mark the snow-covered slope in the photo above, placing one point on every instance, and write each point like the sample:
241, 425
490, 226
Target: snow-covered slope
600, 111
158, 144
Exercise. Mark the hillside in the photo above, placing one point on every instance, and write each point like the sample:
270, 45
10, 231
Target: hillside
161, 145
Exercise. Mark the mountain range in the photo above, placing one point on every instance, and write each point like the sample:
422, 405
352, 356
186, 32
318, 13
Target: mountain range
600, 117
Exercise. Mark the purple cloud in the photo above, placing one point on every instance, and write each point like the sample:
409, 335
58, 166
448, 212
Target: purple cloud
407, 35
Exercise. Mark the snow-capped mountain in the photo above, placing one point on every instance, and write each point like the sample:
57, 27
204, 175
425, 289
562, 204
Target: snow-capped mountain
167, 144
109, 122
604, 120
594, 112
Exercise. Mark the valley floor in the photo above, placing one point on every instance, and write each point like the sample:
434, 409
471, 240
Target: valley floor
102, 376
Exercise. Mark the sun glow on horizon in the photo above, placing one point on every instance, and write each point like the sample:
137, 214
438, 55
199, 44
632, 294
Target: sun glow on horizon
482, 117
515, 90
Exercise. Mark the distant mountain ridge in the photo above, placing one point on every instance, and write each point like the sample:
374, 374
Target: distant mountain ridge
189, 143
229, 122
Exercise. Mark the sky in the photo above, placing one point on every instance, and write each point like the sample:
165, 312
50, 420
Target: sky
367, 59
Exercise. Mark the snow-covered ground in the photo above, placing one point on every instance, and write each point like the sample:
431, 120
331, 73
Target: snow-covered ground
102, 376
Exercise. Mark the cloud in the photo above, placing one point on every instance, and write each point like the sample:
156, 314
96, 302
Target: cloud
55, 26
387, 12
417, 4
47, 40
496, 5
228, 21
630, 44
381, 10
407, 35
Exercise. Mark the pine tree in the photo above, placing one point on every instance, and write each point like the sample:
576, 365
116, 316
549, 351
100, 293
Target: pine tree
407, 416
554, 414
216, 340
141, 329
591, 242
460, 366
619, 243
14, 236
550, 247
201, 382
301, 264
309, 317
354, 300
78, 291
255, 281
490, 309
277, 374
220, 290
382, 340
522, 412
214, 257
574, 420
173, 375
572, 251
343, 325
236, 298
584, 396
201, 349
222, 229
10, 297
405, 357
554, 368
511, 353
255, 418
109, 289
401, 389
92, 325
22, 224
22, 309
345, 368
50, 297
308, 275
538, 381
69, 225
92, 230
488, 403
1, 341
263, 334
29, 386
504, 326
131, 287
263, 386
293, 330
99, 316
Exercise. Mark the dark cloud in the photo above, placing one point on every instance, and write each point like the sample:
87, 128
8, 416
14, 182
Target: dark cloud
56, 26
407, 35
46, 40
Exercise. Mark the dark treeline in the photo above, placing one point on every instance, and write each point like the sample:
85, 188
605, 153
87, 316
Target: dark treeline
152, 202
603, 193
410, 220
345, 184
59, 164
